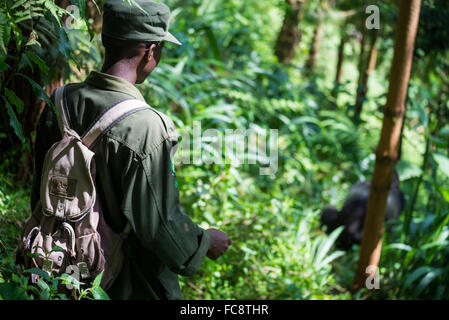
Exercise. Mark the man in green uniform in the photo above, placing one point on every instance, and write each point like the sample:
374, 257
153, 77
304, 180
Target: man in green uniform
134, 174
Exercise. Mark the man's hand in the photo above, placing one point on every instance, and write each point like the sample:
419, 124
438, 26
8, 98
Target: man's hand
219, 242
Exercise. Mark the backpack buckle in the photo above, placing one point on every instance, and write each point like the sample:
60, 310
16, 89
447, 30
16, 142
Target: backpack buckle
60, 209
83, 269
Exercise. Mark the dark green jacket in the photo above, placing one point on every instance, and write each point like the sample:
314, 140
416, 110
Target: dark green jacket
136, 184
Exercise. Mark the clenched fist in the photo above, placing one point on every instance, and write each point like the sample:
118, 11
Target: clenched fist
219, 242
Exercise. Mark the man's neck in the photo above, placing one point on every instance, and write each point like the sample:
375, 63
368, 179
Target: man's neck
123, 69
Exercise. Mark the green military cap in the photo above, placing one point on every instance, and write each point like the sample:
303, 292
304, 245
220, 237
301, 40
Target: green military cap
147, 21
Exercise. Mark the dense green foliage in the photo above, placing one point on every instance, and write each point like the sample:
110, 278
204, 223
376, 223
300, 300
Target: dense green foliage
226, 76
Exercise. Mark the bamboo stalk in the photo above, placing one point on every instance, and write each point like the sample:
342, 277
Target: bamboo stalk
388, 147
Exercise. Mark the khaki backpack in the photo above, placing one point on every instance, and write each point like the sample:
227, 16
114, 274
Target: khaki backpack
69, 215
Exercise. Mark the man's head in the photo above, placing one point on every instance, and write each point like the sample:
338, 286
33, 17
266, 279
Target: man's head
134, 35
140, 56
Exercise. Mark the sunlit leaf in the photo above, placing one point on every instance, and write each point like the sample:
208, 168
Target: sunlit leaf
99, 294
443, 163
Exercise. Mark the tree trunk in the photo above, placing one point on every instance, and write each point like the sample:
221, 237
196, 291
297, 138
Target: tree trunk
387, 150
314, 48
340, 58
290, 34
367, 64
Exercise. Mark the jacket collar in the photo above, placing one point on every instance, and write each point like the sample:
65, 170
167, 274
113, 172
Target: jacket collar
109, 82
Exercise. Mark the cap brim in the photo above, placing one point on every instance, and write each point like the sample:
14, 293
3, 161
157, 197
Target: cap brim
170, 38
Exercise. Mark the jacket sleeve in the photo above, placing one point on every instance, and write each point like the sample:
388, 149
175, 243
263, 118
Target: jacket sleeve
151, 205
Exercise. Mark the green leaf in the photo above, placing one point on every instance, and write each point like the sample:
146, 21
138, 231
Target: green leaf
34, 255
57, 249
399, 246
415, 275
248, 250
4, 66
26, 62
326, 245
91, 32
18, 34
54, 285
40, 92
97, 281
14, 122
422, 114
444, 192
5, 32
444, 132
213, 42
11, 291
96, 6
45, 289
68, 279
39, 272
331, 258
99, 294
443, 223
305, 119
18, 4
427, 279
408, 170
443, 163
55, 10
28, 16
15, 100
441, 244
63, 44
6, 35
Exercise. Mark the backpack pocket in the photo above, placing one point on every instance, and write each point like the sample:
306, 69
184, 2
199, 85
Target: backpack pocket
88, 251
50, 253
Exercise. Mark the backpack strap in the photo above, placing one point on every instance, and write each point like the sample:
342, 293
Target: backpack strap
109, 118
103, 123
61, 112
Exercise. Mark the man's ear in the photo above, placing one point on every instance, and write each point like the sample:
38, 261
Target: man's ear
151, 51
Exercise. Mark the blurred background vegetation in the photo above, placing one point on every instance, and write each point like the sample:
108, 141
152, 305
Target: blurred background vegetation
308, 68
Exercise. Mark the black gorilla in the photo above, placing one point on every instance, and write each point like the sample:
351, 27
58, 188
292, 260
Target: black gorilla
352, 215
